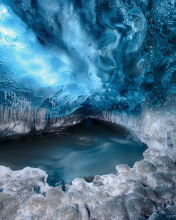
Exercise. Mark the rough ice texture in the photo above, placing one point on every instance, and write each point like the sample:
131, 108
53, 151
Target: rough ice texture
18, 117
115, 56
145, 191
155, 127
118, 56
59, 54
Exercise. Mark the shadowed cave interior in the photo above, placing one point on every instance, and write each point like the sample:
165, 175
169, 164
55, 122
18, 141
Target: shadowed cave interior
90, 148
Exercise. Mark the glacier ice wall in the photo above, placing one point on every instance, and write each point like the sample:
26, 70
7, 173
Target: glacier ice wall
56, 56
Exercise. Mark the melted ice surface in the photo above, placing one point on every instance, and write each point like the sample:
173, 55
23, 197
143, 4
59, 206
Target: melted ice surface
88, 149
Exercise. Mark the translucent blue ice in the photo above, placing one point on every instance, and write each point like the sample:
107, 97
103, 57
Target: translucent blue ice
110, 54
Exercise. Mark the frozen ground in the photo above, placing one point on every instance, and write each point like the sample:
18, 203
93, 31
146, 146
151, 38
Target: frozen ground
145, 191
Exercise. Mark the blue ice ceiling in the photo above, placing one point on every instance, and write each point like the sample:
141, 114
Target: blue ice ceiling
109, 54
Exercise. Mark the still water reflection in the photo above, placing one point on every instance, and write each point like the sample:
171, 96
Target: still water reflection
83, 150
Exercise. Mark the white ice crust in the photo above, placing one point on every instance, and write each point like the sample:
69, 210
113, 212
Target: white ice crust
145, 191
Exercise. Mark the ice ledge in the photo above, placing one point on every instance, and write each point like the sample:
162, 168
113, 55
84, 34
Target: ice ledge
145, 191
154, 127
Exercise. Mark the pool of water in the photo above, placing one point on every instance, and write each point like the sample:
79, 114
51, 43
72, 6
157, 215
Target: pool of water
86, 149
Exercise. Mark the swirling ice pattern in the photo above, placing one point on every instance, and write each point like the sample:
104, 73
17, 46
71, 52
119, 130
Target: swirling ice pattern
110, 54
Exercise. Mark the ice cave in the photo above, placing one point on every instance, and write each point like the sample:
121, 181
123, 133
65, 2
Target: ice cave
87, 109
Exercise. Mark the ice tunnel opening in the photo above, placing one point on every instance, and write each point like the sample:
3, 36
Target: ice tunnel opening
92, 147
